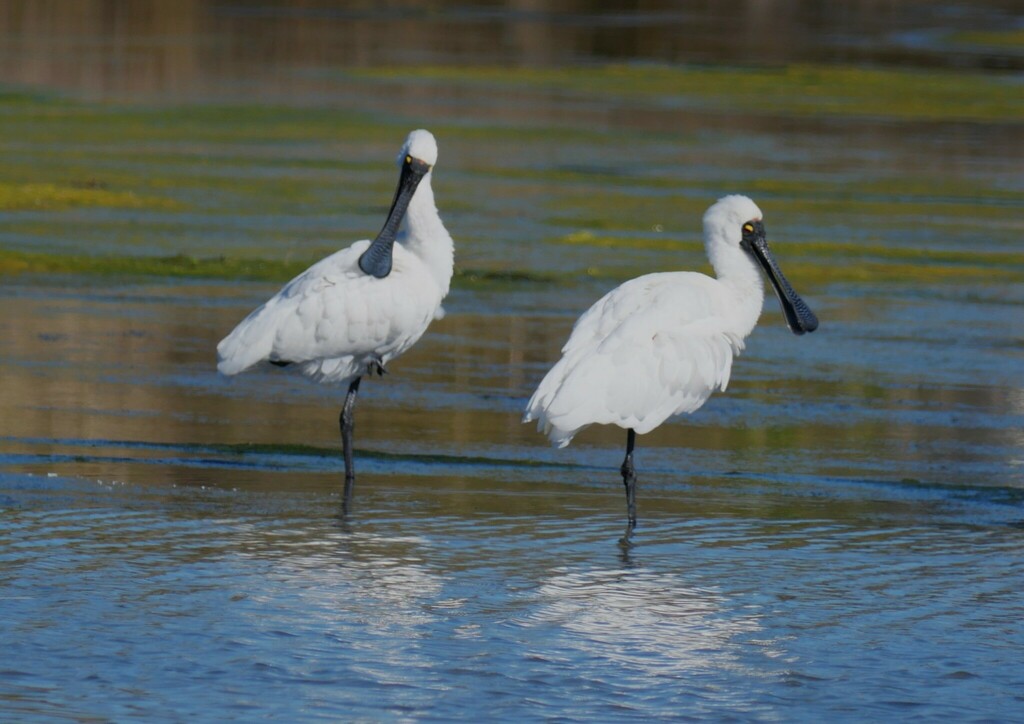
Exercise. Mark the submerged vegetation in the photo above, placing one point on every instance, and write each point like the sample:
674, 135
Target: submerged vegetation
251, 192
179, 265
1012, 38
49, 196
228, 269
814, 263
792, 90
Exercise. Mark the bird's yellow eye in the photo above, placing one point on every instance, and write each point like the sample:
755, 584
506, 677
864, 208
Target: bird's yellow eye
408, 159
749, 228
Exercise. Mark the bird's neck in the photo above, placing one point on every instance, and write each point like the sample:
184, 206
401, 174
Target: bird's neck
740, 274
426, 236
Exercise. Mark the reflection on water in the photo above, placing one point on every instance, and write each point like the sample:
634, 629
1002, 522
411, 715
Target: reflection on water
117, 370
275, 50
866, 549
121, 599
837, 537
648, 624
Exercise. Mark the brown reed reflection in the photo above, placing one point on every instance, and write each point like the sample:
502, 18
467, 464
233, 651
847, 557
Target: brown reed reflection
102, 368
206, 48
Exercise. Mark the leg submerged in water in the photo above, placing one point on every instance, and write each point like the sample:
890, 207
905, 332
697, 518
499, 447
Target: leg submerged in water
629, 480
346, 420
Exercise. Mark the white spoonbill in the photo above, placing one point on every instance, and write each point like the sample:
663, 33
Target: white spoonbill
355, 311
659, 345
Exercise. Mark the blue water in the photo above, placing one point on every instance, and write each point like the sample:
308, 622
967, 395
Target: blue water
123, 601
839, 537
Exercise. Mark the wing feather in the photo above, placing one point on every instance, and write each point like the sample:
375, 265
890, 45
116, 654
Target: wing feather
650, 349
332, 318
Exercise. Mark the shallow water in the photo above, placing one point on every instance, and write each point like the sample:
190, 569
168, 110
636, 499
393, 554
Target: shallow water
839, 535
433, 603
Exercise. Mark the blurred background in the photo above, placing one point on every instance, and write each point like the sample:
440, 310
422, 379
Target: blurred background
837, 535
200, 49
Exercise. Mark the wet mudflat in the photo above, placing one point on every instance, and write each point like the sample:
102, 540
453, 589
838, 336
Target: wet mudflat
839, 535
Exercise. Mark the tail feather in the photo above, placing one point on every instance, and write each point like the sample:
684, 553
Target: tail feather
248, 344
537, 409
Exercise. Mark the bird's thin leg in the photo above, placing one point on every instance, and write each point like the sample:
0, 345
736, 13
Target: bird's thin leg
346, 420
629, 480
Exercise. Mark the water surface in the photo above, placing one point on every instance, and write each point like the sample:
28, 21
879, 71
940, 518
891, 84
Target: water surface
838, 536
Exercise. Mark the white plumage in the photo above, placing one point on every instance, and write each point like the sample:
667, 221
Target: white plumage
655, 347
334, 320
357, 309
659, 345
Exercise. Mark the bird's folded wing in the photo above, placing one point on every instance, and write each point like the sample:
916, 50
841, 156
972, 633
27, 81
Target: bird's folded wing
650, 349
330, 310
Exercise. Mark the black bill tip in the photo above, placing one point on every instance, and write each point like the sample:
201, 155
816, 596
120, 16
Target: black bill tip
376, 260
799, 317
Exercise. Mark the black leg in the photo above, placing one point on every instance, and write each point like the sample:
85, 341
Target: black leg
629, 480
346, 420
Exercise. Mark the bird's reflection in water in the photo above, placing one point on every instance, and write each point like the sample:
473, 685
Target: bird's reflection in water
642, 622
382, 584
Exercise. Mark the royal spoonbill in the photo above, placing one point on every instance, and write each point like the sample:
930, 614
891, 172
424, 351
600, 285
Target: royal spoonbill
657, 346
355, 311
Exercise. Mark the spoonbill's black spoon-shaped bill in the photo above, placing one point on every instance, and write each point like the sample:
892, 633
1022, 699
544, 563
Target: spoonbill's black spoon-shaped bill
361, 307
659, 345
